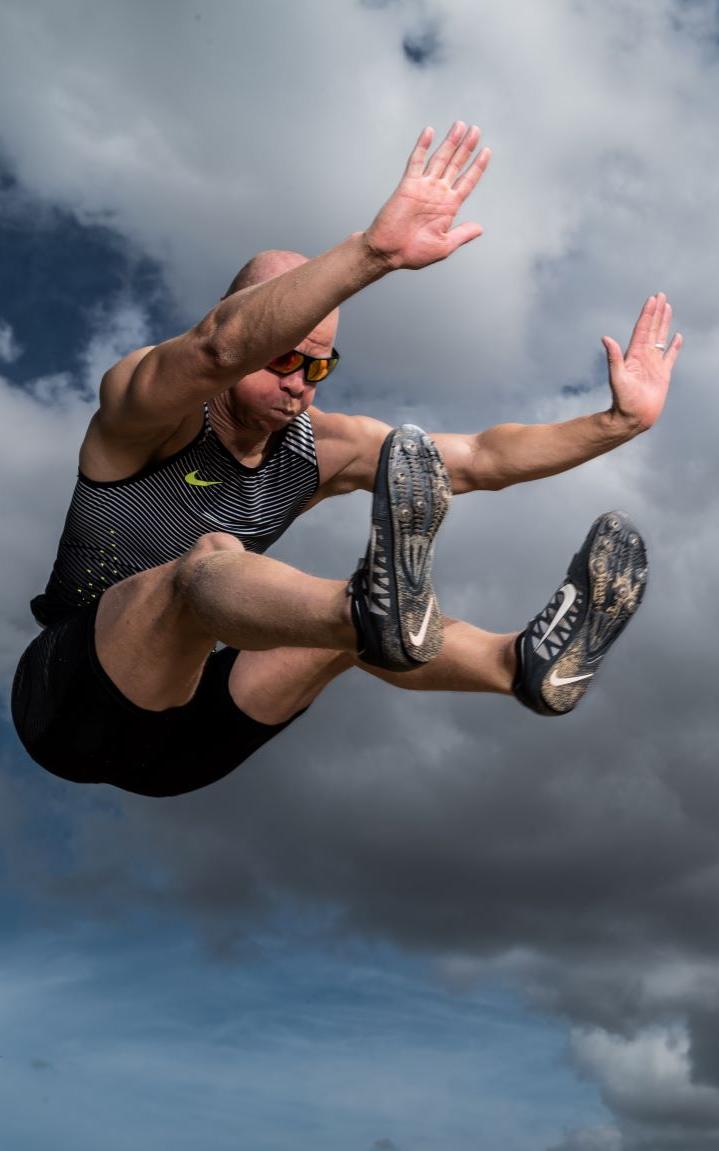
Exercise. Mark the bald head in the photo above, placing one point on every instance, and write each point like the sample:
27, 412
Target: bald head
273, 262
265, 266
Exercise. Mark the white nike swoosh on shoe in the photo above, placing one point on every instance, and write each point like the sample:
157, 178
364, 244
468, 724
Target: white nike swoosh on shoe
418, 639
570, 594
562, 681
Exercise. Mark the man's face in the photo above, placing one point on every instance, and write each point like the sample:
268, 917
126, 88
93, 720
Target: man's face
268, 402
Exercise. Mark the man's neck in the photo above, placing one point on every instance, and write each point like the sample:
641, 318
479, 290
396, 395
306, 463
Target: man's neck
248, 444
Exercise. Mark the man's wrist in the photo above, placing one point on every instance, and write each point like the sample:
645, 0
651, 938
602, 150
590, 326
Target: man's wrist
618, 426
380, 260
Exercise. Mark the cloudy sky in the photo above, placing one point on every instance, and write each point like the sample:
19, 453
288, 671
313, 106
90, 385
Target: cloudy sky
452, 925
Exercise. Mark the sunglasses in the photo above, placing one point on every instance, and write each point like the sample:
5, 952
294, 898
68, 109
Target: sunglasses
315, 368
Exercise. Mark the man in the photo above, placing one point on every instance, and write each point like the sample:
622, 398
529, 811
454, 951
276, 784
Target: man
206, 447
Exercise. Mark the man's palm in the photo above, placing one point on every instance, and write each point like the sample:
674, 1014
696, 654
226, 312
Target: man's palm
640, 379
416, 225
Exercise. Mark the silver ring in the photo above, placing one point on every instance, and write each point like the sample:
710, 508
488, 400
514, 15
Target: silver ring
662, 347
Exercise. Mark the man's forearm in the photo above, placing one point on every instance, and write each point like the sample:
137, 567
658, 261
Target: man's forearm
515, 453
245, 330
248, 329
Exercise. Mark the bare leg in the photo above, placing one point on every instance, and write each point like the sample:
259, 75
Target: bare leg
272, 686
470, 660
155, 630
256, 603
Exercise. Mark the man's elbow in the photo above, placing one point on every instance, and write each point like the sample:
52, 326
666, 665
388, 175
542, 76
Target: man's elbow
498, 483
215, 346
462, 484
493, 475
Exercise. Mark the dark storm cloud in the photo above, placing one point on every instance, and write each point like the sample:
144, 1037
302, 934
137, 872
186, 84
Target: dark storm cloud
704, 1049
578, 858
56, 273
423, 46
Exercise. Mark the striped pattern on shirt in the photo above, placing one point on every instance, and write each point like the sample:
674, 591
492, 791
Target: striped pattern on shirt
116, 529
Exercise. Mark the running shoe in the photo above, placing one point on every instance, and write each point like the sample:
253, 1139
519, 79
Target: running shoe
394, 608
560, 650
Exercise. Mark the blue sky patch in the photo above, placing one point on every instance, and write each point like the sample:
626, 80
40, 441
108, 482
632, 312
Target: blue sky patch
57, 274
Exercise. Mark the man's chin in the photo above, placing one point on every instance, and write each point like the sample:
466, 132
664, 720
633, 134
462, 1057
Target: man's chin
272, 421
282, 417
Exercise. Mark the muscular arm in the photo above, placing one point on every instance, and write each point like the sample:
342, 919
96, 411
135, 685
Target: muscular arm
415, 228
245, 330
348, 450
515, 453
639, 382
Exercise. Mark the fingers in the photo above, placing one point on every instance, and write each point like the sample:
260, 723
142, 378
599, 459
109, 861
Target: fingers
653, 326
450, 158
418, 156
643, 327
438, 162
614, 352
463, 234
464, 185
467, 144
661, 320
673, 350
651, 331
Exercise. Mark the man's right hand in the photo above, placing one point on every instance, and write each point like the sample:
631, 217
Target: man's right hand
416, 226
141, 409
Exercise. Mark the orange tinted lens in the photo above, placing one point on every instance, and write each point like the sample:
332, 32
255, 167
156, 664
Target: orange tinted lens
290, 362
317, 370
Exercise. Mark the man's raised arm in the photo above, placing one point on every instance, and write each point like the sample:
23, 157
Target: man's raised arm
416, 227
514, 453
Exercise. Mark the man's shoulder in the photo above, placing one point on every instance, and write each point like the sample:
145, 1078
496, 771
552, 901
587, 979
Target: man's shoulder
347, 449
119, 375
341, 427
111, 449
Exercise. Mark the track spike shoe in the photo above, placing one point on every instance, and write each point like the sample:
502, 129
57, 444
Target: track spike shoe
394, 607
560, 650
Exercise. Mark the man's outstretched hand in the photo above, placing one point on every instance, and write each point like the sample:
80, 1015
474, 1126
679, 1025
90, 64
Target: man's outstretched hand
640, 379
416, 226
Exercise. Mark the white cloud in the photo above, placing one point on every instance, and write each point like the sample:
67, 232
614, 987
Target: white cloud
10, 350
646, 1079
115, 333
567, 850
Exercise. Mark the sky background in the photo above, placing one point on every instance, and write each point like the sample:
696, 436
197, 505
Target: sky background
411, 922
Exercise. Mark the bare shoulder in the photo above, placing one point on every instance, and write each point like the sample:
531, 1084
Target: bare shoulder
116, 380
150, 393
111, 449
348, 448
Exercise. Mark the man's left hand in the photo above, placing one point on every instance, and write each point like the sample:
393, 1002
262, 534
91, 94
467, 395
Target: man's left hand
640, 379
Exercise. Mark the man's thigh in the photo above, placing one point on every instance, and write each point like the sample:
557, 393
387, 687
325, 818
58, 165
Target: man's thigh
148, 639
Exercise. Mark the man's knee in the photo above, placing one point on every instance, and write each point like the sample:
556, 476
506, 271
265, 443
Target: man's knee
192, 566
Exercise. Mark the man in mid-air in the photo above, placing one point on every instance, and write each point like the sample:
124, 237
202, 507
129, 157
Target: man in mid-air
206, 447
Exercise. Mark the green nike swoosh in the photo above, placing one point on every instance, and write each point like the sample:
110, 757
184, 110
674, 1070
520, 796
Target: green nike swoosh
191, 478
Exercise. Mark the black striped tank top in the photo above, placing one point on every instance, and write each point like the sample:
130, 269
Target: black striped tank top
116, 529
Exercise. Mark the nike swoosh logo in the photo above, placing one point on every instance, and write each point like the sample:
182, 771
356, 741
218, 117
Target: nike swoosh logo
418, 639
562, 681
570, 594
191, 478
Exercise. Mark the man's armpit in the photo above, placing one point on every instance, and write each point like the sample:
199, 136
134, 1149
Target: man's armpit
348, 449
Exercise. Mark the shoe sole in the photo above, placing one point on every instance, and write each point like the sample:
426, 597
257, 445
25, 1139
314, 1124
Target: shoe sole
612, 566
418, 496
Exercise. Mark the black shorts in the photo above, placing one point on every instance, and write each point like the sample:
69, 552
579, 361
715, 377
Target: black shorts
74, 721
